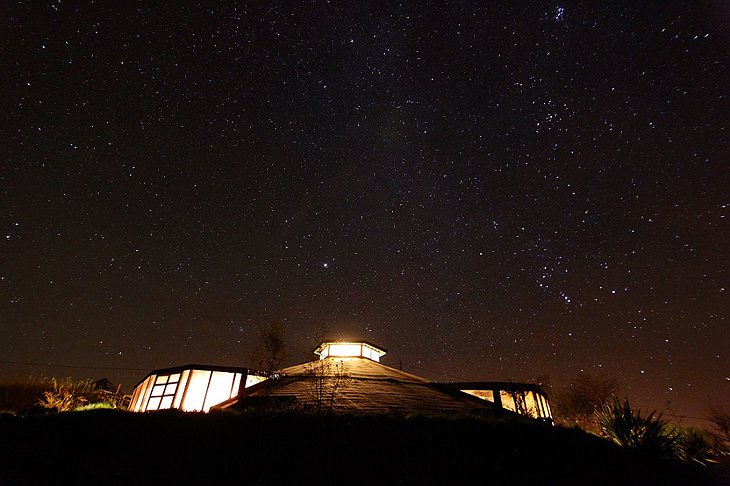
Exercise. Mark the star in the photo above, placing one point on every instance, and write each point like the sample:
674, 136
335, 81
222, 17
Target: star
209, 173
559, 12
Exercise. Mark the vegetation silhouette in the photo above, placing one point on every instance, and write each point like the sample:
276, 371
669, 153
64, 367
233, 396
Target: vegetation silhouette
296, 448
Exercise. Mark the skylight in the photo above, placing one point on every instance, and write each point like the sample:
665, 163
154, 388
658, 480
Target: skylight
349, 350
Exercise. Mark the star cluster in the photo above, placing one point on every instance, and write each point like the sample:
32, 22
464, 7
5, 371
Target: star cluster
499, 191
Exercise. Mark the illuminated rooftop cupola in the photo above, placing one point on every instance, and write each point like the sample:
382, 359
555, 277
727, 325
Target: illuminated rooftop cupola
349, 350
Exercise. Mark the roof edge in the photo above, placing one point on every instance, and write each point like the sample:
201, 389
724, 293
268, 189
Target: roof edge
196, 366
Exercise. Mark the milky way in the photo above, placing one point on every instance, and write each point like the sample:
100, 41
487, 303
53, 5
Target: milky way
502, 191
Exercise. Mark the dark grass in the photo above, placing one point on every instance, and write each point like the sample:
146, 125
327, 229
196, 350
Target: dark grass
23, 394
113, 447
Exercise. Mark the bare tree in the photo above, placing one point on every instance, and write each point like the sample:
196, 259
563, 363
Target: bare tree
326, 379
580, 400
270, 351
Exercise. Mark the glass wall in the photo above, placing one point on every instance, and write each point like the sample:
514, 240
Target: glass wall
188, 390
163, 392
220, 389
142, 394
487, 395
181, 389
530, 404
508, 400
344, 350
525, 402
349, 350
195, 394
251, 380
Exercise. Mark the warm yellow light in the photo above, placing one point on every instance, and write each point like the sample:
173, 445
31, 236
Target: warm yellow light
487, 395
190, 390
340, 350
251, 380
219, 390
181, 389
546, 406
349, 350
531, 405
195, 394
508, 400
139, 404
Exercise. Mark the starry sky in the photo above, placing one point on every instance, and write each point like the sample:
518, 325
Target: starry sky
488, 190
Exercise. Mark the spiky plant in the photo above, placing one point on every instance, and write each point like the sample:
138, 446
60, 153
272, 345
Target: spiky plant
694, 445
646, 432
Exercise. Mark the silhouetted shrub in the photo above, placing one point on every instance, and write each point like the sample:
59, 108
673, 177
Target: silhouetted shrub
19, 395
579, 401
647, 432
303, 448
694, 445
54, 394
720, 420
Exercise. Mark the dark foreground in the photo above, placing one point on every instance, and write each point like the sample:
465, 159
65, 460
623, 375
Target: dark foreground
110, 447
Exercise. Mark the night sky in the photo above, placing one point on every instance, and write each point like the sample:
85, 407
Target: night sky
488, 190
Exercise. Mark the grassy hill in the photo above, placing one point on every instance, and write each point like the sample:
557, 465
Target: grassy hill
113, 447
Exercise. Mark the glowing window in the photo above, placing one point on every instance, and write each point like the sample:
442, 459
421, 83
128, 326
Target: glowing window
547, 407
154, 403
141, 395
237, 383
195, 395
251, 380
508, 400
487, 395
181, 389
139, 392
531, 405
345, 350
189, 390
162, 394
146, 394
219, 389
349, 350
133, 401
541, 405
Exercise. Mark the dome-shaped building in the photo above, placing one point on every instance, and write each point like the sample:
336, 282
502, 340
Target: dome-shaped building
347, 378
